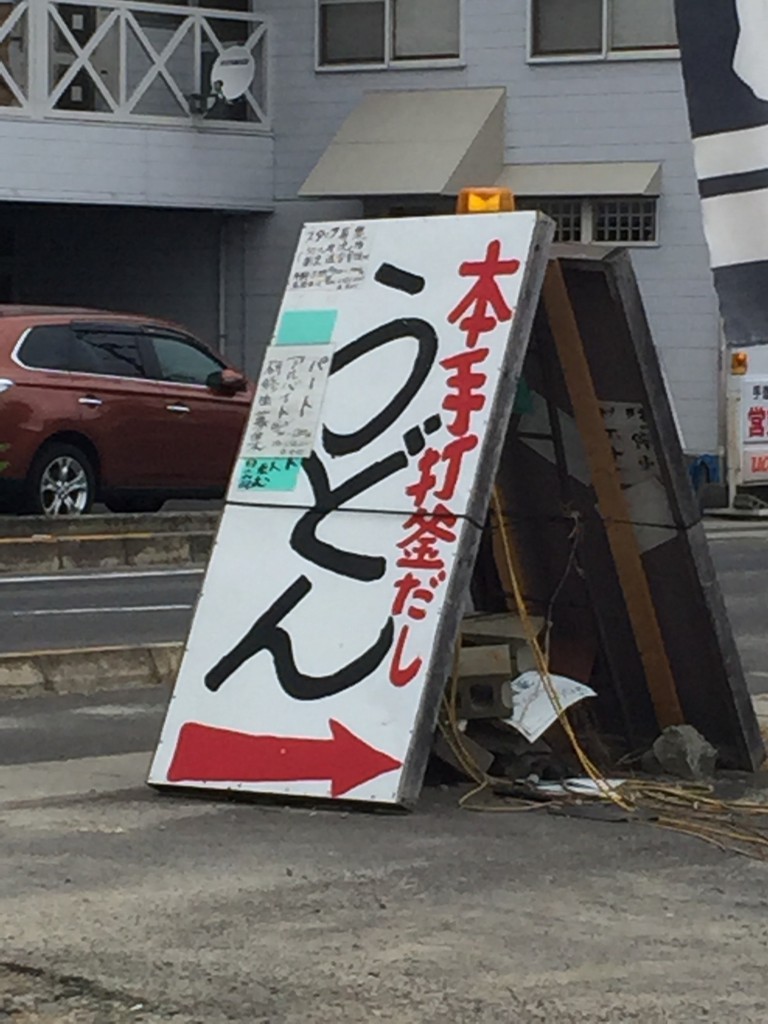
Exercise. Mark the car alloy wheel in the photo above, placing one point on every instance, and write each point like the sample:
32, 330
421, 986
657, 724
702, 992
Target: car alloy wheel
65, 488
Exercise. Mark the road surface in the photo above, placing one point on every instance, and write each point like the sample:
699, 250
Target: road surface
132, 607
89, 609
120, 905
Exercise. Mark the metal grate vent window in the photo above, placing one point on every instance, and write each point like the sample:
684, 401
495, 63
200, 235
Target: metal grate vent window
625, 221
566, 213
618, 220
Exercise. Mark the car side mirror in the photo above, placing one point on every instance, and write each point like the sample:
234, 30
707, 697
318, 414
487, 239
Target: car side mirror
226, 382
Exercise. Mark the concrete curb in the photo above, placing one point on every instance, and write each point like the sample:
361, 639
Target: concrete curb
88, 669
51, 553
156, 522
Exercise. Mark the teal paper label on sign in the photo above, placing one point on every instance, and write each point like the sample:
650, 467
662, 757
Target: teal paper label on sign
269, 474
306, 327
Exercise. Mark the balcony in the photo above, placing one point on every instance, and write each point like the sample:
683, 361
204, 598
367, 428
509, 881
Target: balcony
132, 63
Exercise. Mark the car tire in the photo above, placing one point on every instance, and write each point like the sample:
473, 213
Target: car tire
61, 482
135, 503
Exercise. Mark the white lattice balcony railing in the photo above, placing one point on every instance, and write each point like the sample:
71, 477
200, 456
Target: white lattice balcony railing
129, 61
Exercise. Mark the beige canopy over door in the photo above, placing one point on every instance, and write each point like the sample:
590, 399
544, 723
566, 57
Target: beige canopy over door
427, 142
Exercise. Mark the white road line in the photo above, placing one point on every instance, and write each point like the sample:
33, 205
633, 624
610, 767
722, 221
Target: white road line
125, 609
737, 535
141, 574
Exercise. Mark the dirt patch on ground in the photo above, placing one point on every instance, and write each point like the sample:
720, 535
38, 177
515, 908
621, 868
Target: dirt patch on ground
29, 996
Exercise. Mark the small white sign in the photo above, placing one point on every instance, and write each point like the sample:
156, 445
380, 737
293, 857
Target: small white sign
534, 710
287, 405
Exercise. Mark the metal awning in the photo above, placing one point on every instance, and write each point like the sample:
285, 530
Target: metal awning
428, 142
593, 179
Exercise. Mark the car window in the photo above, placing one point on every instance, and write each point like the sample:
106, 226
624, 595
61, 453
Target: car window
183, 362
112, 353
48, 347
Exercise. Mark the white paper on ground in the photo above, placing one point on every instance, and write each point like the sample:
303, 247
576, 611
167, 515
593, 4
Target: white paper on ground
534, 712
578, 787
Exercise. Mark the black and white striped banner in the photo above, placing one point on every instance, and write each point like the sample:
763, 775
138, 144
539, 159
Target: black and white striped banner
724, 48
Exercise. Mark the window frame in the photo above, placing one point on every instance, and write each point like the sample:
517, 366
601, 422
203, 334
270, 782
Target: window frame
605, 54
589, 216
28, 336
152, 362
390, 62
79, 327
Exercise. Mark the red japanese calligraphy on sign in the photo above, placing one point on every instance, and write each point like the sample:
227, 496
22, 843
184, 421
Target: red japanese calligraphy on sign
756, 418
433, 526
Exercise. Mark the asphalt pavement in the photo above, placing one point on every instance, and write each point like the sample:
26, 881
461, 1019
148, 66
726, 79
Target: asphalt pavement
120, 905
740, 554
97, 608
88, 609
60, 728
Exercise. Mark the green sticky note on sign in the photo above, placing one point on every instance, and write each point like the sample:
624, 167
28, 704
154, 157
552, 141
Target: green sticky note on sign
268, 474
306, 327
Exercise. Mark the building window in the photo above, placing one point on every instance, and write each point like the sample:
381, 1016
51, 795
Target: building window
383, 32
566, 213
601, 28
624, 221
618, 220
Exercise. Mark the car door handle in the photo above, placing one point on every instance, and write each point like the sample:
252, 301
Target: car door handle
90, 400
177, 408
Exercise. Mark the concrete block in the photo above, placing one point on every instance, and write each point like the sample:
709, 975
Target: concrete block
160, 549
167, 660
87, 552
93, 669
27, 527
200, 545
20, 676
482, 662
524, 659
484, 698
20, 555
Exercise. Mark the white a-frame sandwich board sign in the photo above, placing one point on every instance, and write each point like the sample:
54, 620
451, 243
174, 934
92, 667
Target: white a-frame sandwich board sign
324, 632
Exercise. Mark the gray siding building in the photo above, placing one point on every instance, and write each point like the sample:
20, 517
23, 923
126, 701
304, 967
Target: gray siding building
126, 181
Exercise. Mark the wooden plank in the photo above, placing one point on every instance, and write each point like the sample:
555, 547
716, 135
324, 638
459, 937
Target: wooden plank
497, 627
611, 502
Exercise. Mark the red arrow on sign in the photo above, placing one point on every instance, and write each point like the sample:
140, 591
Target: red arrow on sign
207, 754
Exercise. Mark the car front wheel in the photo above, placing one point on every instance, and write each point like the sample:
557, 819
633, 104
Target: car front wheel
61, 482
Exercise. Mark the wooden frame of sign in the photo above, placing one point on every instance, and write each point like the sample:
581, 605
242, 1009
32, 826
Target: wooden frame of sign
595, 486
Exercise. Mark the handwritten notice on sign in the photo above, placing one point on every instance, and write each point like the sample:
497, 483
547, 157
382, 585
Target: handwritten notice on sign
288, 403
325, 630
631, 442
331, 257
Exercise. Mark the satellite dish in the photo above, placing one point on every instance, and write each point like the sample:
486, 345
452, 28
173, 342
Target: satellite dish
233, 72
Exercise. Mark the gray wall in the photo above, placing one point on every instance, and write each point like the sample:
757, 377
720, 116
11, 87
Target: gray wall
591, 111
159, 262
78, 162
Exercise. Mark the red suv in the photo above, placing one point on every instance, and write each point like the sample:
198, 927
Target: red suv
122, 409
